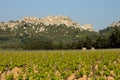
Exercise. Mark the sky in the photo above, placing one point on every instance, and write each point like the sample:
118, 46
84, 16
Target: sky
100, 13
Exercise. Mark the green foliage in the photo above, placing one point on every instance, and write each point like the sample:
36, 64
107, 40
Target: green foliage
56, 65
36, 43
10, 77
115, 39
40, 36
88, 42
20, 77
106, 32
101, 42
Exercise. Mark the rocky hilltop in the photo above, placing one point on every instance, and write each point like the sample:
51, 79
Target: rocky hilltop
88, 27
49, 20
115, 24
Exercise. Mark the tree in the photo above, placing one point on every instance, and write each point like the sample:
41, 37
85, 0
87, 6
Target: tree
101, 42
36, 43
87, 42
115, 38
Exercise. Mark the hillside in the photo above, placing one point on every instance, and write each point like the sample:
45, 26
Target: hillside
107, 31
56, 28
52, 32
49, 20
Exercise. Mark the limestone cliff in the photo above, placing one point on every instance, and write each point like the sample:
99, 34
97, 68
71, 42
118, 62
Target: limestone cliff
49, 20
115, 24
88, 27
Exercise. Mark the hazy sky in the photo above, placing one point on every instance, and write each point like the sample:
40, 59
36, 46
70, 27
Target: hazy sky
100, 13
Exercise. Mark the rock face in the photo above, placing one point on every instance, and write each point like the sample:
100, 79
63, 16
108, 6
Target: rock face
115, 24
49, 20
88, 27
52, 20
8, 24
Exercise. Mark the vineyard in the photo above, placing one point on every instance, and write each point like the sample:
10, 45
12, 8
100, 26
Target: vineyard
60, 65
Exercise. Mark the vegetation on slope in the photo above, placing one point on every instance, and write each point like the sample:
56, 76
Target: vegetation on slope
57, 37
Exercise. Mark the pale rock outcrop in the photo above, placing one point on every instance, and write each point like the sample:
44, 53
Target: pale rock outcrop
88, 27
115, 24
49, 20
52, 20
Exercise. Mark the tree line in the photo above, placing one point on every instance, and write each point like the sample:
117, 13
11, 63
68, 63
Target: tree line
100, 42
59, 37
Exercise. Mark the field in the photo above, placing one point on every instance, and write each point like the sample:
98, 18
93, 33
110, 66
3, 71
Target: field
60, 65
